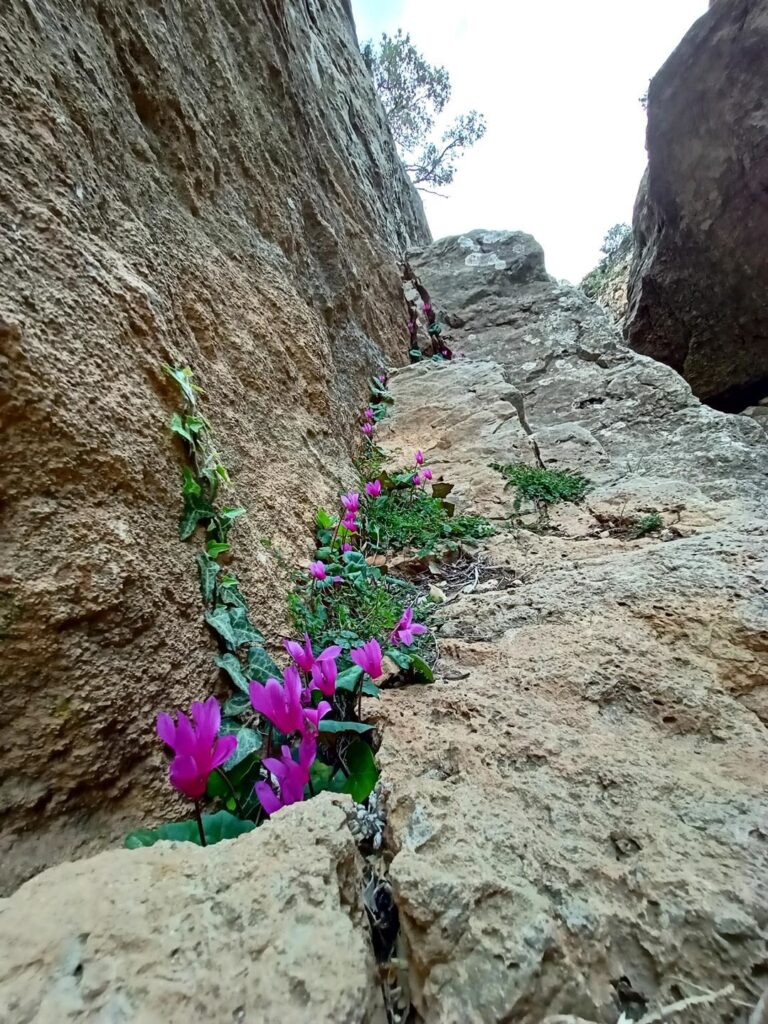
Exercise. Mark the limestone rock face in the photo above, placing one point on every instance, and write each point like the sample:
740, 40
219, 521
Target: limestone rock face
209, 184
578, 805
699, 280
269, 927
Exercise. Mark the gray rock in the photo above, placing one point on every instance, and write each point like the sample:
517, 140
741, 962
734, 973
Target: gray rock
699, 279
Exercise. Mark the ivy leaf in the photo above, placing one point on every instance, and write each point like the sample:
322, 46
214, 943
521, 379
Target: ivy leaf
334, 727
248, 742
189, 484
244, 630
231, 513
214, 548
324, 520
195, 509
208, 570
217, 827
363, 773
349, 679
234, 669
260, 665
219, 620
236, 705
183, 377
177, 426
400, 658
421, 669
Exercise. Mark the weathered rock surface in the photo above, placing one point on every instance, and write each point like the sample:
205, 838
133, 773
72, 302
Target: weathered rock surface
699, 281
578, 809
210, 184
267, 928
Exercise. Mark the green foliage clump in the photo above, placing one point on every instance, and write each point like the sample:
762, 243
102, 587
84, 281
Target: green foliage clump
411, 518
413, 94
649, 523
542, 486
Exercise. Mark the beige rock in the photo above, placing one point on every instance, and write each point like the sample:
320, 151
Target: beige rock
580, 797
211, 184
266, 929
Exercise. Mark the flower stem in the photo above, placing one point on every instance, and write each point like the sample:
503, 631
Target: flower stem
232, 792
200, 828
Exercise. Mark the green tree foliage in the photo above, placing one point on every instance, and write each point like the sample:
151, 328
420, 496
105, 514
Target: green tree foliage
616, 245
414, 93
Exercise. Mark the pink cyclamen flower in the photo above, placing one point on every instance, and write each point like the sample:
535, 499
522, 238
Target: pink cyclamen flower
312, 716
348, 522
303, 656
367, 429
317, 570
351, 502
368, 657
382, 378
427, 307
406, 629
426, 473
373, 488
347, 547
281, 704
416, 479
291, 776
196, 748
369, 413
419, 458
324, 674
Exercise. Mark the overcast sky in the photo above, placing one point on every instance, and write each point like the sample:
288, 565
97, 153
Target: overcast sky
559, 82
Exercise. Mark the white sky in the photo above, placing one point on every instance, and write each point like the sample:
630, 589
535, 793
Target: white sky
559, 83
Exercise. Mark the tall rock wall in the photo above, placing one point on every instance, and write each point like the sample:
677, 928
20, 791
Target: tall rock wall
698, 292
211, 184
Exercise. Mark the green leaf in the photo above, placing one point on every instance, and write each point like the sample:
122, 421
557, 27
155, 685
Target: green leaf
207, 570
217, 827
334, 727
236, 705
324, 520
183, 377
228, 581
324, 554
260, 665
248, 742
195, 509
354, 558
421, 669
370, 689
231, 513
215, 548
349, 679
177, 426
219, 620
222, 473
245, 632
234, 669
189, 484
363, 773
401, 658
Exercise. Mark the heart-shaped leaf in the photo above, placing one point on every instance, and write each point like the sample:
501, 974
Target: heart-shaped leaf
329, 726
248, 742
236, 705
234, 669
363, 773
217, 827
421, 669
349, 679
261, 666
208, 570
218, 619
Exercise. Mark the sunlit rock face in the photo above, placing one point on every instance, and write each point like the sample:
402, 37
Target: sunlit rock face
208, 184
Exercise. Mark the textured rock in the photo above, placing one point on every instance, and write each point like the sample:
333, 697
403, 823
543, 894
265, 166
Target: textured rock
204, 183
697, 292
266, 928
580, 798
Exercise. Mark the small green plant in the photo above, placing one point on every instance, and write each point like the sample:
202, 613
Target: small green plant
649, 523
407, 517
542, 486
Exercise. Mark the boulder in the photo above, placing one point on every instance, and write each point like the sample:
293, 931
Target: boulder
699, 277
269, 927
